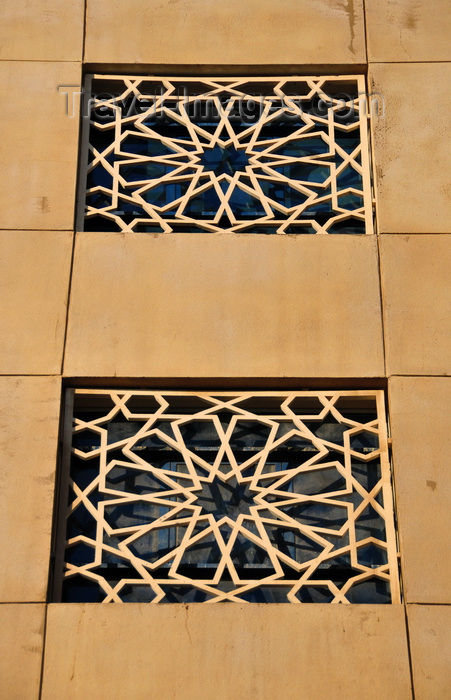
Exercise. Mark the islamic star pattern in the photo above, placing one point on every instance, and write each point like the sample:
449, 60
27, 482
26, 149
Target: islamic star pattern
229, 497
277, 156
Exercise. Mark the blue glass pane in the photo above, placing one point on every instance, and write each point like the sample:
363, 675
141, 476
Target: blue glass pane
147, 228
350, 201
366, 473
349, 178
137, 594
308, 172
157, 543
145, 171
348, 141
316, 514
205, 204
372, 555
80, 554
373, 591
130, 208
222, 160
267, 594
143, 146
303, 148
314, 594
300, 228
98, 200
81, 590
346, 116
282, 193
320, 208
293, 543
261, 228
99, 177
101, 139
225, 499
351, 226
184, 227
184, 594
100, 223
164, 194
244, 205
81, 522
370, 524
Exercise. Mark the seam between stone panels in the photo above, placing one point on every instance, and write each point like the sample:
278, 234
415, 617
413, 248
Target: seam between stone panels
409, 654
415, 233
393, 475
266, 72
39, 60
23, 602
44, 634
83, 47
69, 290
36, 230
29, 374
365, 30
427, 604
422, 376
373, 161
381, 303
408, 63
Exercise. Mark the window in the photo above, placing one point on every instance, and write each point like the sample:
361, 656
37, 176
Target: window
286, 155
226, 496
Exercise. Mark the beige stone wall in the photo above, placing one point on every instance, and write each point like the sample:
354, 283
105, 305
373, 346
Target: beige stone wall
225, 308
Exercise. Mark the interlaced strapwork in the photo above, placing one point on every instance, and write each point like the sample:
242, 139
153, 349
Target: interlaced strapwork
272, 497
281, 155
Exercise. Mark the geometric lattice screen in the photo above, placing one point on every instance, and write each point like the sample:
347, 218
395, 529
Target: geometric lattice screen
226, 496
286, 155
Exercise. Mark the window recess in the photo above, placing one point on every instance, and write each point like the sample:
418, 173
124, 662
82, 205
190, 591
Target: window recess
226, 496
282, 155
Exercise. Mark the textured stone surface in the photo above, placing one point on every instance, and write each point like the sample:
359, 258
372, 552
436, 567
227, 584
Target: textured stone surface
42, 30
21, 651
34, 280
412, 146
430, 642
29, 416
421, 429
210, 32
200, 305
399, 30
416, 294
199, 652
38, 146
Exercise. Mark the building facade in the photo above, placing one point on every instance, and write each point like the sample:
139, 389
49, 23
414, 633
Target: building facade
225, 310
